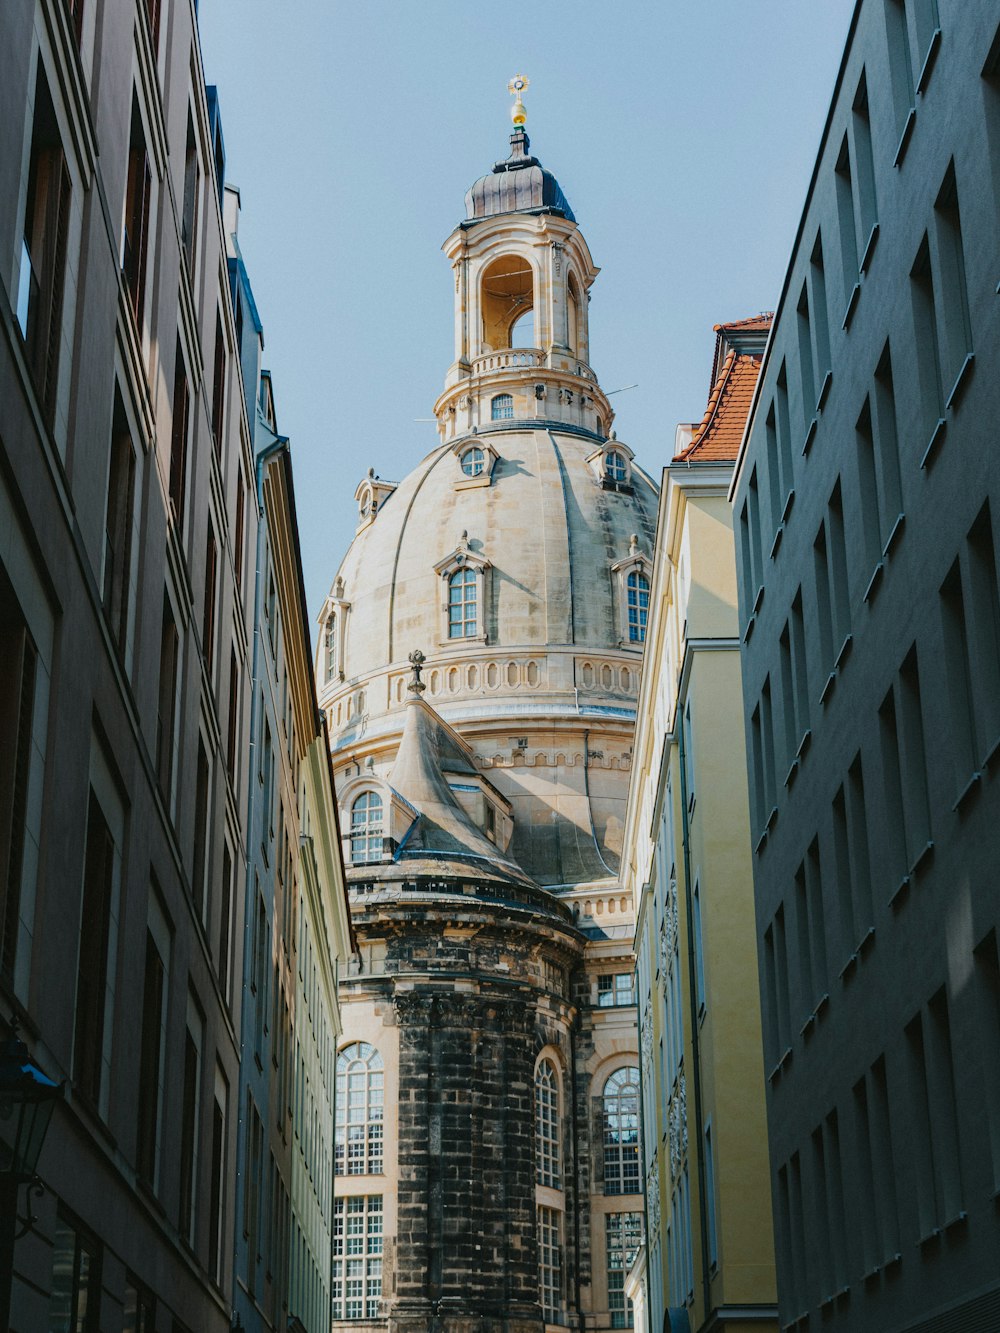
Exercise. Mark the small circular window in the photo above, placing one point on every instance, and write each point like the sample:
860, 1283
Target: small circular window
473, 462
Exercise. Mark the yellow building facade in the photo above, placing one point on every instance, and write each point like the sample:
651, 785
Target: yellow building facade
709, 1253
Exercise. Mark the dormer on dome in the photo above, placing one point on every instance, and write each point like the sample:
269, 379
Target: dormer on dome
371, 494
611, 464
476, 458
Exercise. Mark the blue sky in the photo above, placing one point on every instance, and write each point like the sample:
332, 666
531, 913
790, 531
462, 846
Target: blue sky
682, 132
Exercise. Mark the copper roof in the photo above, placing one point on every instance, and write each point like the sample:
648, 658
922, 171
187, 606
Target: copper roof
739, 350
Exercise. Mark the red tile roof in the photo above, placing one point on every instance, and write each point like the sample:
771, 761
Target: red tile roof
720, 432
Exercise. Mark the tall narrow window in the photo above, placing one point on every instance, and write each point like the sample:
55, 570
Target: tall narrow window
211, 586
550, 1280
988, 1026
238, 538
821, 318
914, 756
189, 217
462, 604
871, 523
767, 736
800, 666
217, 1183
926, 348
927, 31
955, 629
202, 800
95, 919
219, 385
501, 407
753, 498
179, 438
547, 1137
847, 228
190, 1118
838, 570
900, 72
624, 1236
357, 1257
135, 241
18, 667
621, 1132
894, 833
807, 377
955, 325
941, 1071
232, 722
637, 589
366, 828
225, 950
118, 527
887, 447
865, 171
984, 618
76, 1280
43, 249
152, 1046
330, 647
861, 870
360, 1109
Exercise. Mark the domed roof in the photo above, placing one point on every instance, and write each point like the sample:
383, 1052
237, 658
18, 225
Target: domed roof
518, 184
543, 524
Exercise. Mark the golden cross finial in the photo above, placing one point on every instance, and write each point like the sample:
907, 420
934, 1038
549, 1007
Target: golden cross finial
517, 85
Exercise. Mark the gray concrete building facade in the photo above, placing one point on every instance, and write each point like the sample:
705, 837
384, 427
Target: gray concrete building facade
867, 513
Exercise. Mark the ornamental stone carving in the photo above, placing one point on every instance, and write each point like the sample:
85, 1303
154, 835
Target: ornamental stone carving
646, 1039
677, 1124
653, 1199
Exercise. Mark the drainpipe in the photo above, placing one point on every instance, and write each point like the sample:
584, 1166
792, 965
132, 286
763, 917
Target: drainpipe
695, 1039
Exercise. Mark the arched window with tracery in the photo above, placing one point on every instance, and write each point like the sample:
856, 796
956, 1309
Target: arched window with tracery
360, 1099
462, 604
621, 1132
366, 828
501, 407
547, 1137
637, 591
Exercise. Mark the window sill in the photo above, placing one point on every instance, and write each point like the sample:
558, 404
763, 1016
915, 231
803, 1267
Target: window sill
758, 601
922, 857
923, 78
852, 303
804, 744
824, 389
789, 501
893, 536
759, 847
869, 250
992, 753
899, 893
810, 436
904, 138
967, 792
792, 773
937, 435
845, 649
961, 379
873, 582
777, 541
747, 633
772, 819
827, 690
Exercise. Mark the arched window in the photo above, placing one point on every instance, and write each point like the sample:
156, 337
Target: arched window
573, 317
621, 1132
462, 604
547, 1137
473, 461
360, 1091
366, 828
501, 407
637, 589
522, 331
330, 648
615, 466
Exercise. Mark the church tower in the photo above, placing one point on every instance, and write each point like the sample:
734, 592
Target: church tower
478, 667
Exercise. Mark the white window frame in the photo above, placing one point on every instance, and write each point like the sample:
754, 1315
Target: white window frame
463, 558
634, 563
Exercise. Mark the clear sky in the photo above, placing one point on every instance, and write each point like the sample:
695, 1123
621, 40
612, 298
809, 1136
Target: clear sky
682, 132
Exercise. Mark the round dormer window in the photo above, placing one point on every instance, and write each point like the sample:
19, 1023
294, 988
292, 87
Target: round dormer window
473, 462
615, 467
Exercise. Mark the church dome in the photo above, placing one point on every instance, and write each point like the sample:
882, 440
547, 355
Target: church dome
518, 184
541, 544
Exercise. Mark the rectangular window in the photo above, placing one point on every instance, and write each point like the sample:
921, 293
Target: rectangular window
800, 666
920, 1144
140, 1308
788, 1242
847, 228
865, 172
767, 736
958, 670
624, 1236
804, 926
941, 1072
699, 950
238, 537
835, 1200
927, 349
357, 1257
838, 571
615, 989
807, 376
871, 524
757, 760
861, 870
202, 823
179, 439
211, 592
267, 793
118, 527
927, 31
914, 759
92, 971
189, 216
984, 618
842, 862
887, 448
18, 667
893, 831
988, 996
753, 498
75, 1303
790, 725
166, 710
252, 1191
955, 328
820, 1217
152, 1044
232, 724
710, 1221
190, 1122
43, 249
550, 1264
135, 238
219, 385
226, 922
217, 1185
900, 72
817, 920
746, 563
821, 319
824, 605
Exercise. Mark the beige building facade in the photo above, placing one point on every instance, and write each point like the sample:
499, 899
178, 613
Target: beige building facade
478, 666
709, 1258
